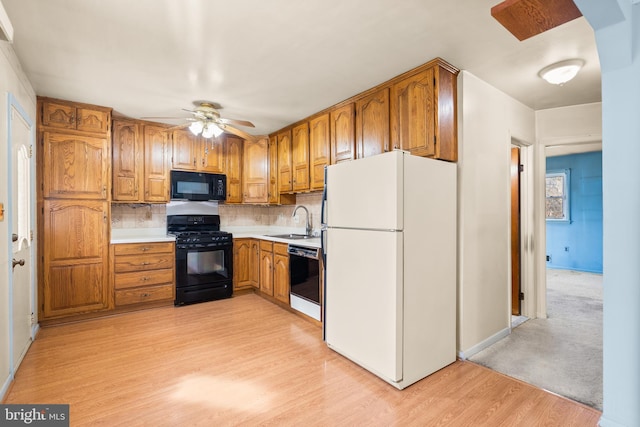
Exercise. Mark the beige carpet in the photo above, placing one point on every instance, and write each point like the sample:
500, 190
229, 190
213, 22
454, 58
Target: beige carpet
563, 353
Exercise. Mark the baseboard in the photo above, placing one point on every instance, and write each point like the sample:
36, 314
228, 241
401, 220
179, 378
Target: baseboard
608, 423
5, 387
464, 355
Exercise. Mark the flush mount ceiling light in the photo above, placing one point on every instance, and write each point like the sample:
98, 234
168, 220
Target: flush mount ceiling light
561, 72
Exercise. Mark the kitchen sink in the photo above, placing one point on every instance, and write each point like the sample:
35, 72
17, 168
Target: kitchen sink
291, 236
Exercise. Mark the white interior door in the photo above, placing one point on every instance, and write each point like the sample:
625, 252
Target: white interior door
21, 282
363, 301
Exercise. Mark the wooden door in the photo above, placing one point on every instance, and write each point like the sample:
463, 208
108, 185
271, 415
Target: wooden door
281, 272
184, 150
212, 155
319, 150
413, 114
156, 164
372, 124
234, 169
515, 231
75, 167
76, 247
285, 178
245, 261
127, 161
255, 171
254, 264
266, 267
300, 157
273, 191
343, 134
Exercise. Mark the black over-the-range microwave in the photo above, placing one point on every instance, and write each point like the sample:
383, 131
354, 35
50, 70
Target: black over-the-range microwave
198, 186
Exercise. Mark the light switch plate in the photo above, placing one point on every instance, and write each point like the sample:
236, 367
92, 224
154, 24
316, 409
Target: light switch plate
1, 211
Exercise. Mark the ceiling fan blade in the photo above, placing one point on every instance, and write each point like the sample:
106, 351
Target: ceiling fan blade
236, 122
238, 132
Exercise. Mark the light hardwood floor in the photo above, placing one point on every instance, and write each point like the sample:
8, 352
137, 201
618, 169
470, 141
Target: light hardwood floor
246, 361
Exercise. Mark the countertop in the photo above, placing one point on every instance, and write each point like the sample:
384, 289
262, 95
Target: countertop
140, 235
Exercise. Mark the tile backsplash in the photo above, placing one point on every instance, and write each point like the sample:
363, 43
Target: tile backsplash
155, 215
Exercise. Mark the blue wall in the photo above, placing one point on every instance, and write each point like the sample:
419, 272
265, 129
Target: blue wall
577, 245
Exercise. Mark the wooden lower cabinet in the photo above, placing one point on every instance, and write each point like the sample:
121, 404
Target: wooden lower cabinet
143, 273
266, 267
281, 272
246, 253
75, 253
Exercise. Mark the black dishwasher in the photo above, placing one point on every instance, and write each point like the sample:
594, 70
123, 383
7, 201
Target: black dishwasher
304, 273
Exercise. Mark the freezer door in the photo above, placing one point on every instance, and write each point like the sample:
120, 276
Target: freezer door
366, 193
363, 301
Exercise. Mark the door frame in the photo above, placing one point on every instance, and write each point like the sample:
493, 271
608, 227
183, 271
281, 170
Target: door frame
527, 228
13, 104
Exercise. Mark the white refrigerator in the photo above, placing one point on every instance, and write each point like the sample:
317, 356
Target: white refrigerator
389, 240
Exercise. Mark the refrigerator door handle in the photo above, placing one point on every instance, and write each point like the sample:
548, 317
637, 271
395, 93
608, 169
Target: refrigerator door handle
323, 221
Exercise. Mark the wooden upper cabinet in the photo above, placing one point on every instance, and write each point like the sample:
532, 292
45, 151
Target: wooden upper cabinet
300, 157
343, 133
423, 112
127, 161
273, 170
71, 116
234, 168
75, 254
372, 124
319, 150
285, 175
156, 164
184, 150
413, 114
211, 155
74, 166
255, 175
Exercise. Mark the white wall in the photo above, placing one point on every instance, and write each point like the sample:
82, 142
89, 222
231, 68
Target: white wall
12, 80
488, 120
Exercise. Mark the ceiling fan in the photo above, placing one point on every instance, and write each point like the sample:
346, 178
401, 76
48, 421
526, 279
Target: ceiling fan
206, 121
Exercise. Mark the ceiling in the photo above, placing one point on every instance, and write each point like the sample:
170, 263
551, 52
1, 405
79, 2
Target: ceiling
278, 61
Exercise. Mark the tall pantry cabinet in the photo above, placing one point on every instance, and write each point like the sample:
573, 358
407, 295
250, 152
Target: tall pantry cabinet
73, 192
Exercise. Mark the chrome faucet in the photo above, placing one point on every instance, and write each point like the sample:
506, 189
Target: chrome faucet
308, 225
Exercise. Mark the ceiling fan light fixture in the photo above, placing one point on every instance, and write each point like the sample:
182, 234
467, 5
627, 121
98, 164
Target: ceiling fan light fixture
196, 127
211, 130
561, 72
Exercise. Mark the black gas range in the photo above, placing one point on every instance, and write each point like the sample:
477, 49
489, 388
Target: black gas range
204, 258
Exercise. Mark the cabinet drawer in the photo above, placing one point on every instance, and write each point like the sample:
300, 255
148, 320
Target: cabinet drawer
281, 249
144, 262
145, 294
143, 278
143, 248
266, 245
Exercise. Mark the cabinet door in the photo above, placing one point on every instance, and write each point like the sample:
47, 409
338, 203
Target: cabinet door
90, 120
245, 262
413, 114
127, 161
234, 169
254, 171
300, 157
212, 155
319, 149
75, 167
75, 257
372, 124
58, 115
273, 170
254, 269
343, 134
156, 164
266, 267
281, 277
285, 178
184, 150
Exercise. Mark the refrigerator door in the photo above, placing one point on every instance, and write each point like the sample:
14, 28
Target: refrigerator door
363, 301
366, 193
